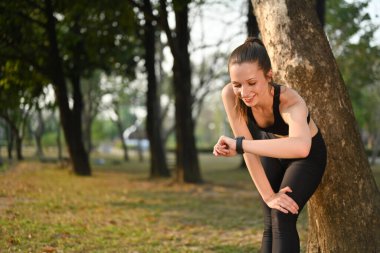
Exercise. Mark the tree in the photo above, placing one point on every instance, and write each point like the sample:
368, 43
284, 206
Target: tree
344, 212
64, 44
321, 11
158, 164
20, 87
91, 94
187, 164
351, 36
252, 26
187, 159
37, 129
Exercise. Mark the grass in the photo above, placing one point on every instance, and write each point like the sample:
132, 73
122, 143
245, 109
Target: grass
44, 208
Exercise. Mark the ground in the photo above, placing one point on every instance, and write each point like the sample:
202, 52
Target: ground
45, 208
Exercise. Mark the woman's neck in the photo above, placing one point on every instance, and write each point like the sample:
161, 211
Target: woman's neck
267, 101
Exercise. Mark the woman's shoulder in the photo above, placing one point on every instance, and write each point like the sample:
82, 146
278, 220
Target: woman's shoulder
227, 90
289, 97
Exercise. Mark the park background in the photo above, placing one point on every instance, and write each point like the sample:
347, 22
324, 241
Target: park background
90, 154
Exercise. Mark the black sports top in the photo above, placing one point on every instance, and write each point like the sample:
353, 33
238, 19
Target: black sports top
279, 126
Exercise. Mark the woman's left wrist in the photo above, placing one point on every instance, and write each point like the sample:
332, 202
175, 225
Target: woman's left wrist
239, 144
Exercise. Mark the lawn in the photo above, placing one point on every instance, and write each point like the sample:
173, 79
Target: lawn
45, 208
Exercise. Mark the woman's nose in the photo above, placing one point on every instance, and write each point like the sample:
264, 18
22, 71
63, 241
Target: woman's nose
244, 91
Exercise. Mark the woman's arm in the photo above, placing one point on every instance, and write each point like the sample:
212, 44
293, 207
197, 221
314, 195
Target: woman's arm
255, 168
296, 145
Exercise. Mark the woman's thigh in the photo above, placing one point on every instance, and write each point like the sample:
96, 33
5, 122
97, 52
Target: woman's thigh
303, 177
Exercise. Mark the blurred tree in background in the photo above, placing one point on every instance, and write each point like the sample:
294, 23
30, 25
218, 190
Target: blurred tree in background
20, 87
109, 67
65, 44
351, 36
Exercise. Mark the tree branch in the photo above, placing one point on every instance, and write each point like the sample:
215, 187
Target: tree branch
165, 26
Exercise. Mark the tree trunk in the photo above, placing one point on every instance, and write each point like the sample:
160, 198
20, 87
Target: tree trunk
1, 156
252, 26
79, 154
59, 142
187, 158
88, 116
320, 7
14, 137
158, 164
344, 212
19, 155
87, 122
120, 130
38, 133
140, 151
70, 119
10, 140
186, 152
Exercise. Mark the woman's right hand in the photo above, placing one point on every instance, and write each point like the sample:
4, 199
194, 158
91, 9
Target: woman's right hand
282, 202
225, 146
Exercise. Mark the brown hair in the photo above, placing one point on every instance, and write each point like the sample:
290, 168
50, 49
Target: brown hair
252, 50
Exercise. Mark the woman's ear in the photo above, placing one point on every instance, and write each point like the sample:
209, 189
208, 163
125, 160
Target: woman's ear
269, 75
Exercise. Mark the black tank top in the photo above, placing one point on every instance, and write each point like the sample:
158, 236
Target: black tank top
279, 126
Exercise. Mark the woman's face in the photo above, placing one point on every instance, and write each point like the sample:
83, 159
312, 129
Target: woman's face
249, 82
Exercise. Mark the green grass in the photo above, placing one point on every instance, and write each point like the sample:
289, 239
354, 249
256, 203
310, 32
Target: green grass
44, 208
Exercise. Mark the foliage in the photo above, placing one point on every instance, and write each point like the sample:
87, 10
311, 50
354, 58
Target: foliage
20, 88
100, 37
351, 36
19, 84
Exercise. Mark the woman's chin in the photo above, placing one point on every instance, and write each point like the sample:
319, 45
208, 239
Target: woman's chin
249, 103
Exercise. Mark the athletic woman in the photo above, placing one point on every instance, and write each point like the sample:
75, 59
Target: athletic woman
281, 144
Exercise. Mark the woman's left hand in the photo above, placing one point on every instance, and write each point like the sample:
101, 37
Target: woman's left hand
225, 146
283, 202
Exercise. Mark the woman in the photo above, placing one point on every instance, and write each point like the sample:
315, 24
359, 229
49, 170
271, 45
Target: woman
283, 148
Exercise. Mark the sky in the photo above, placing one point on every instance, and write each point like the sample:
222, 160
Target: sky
374, 12
217, 16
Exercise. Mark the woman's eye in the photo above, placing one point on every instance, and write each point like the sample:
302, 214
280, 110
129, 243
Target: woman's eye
251, 84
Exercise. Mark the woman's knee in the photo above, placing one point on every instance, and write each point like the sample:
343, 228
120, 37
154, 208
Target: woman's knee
282, 220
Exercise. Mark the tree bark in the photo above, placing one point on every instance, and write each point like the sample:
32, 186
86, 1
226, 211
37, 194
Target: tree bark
38, 133
14, 137
320, 8
1, 156
120, 130
59, 142
19, 155
70, 119
344, 212
187, 157
10, 141
187, 164
158, 164
87, 139
252, 26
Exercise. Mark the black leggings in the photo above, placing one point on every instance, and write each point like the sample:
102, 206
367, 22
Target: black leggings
303, 177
